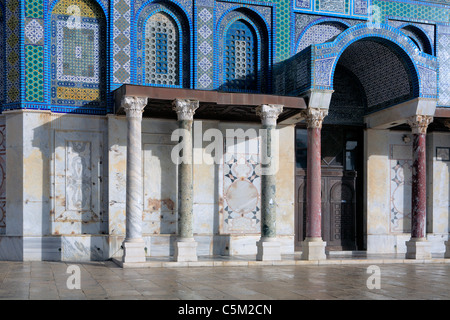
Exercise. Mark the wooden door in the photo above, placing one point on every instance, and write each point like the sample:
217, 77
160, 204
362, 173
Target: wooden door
340, 197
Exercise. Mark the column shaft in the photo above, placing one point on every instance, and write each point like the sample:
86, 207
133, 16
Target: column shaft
134, 180
313, 185
268, 247
419, 192
133, 246
185, 247
418, 247
268, 189
313, 248
185, 184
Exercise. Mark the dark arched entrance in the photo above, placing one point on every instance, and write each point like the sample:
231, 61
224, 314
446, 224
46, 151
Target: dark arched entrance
371, 74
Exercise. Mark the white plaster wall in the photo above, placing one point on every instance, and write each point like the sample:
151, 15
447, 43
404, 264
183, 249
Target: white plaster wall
39, 227
388, 191
160, 190
382, 147
438, 191
69, 204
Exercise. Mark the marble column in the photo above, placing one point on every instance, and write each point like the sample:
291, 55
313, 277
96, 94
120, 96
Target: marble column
133, 245
313, 248
418, 247
186, 246
268, 247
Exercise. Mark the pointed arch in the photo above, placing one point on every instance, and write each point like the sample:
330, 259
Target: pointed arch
421, 67
257, 77
169, 62
419, 36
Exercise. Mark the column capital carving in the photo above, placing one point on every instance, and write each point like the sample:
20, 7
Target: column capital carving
185, 108
419, 123
269, 113
314, 117
134, 106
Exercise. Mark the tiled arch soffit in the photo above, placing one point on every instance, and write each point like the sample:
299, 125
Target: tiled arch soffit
421, 67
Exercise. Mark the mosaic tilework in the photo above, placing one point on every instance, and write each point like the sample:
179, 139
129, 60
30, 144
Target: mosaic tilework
78, 55
347, 105
161, 50
360, 7
375, 64
12, 51
400, 215
34, 76
293, 76
262, 44
320, 33
388, 55
34, 51
418, 11
303, 23
391, 35
34, 31
86, 8
338, 6
184, 44
34, 8
2, 56
121, 41
205, 57
356, 8
240, 64
422, 34
240, 187
443, 51
277, 16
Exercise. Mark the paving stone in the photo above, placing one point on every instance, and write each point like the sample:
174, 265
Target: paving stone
104, 280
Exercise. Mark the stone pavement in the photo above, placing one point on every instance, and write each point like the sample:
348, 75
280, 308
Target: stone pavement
106, 280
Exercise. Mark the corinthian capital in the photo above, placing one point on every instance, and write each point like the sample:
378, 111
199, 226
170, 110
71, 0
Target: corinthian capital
185, 108
269, 113
314, 117
419, 123
134, 106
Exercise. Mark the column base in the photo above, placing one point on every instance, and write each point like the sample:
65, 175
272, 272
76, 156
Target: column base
418, 248
186, 250
133, 251
268, 250
447, 249
313, 249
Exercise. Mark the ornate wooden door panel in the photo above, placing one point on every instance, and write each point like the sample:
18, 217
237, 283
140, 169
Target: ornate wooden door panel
339, 194
341, 233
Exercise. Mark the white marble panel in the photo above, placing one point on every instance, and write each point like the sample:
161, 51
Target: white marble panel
84, 248
160, 185
205, 219
78, 176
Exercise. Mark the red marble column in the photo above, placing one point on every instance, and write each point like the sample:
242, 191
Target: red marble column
419, 191
419, 126
313, 185
314, 118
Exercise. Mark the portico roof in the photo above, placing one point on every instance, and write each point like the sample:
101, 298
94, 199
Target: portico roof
214, 105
